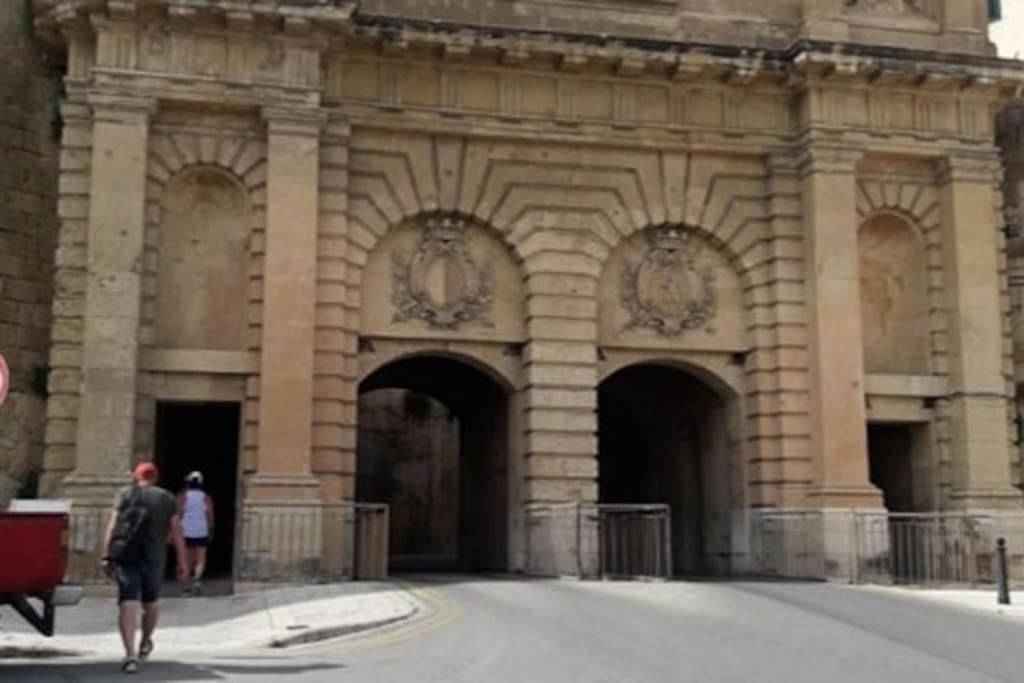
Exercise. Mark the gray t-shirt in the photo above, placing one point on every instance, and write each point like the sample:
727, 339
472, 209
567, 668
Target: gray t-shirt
161, 506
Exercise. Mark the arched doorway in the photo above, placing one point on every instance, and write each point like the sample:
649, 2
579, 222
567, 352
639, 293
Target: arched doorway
663, 438
433, 445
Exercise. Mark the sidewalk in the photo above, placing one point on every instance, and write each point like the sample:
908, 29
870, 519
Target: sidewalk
274, 618
978, 600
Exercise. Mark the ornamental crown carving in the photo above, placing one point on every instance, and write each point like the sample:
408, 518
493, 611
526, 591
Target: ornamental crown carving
664, 290
441, 283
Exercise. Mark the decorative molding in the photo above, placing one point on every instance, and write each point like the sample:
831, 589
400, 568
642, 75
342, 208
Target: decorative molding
928, 9
664, 291
442, 283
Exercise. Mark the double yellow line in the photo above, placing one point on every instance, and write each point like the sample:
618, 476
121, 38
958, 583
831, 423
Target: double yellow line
437, 611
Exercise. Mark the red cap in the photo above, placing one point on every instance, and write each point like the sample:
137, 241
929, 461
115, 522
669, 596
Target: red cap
146, 471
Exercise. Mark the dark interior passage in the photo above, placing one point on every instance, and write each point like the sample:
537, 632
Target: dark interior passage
433, 445
895, 452
662, 439
203, 437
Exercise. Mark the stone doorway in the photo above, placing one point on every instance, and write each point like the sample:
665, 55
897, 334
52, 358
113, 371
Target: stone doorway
663, 438
899, 467
203, 437
433, 445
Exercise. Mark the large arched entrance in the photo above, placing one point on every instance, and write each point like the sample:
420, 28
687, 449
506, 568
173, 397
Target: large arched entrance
433, 445
663, 438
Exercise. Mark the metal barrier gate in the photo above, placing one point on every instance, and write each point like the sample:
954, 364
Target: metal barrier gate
588, 540
371, 541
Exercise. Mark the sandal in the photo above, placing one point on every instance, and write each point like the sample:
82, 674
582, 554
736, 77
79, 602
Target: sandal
145, 648
130, 665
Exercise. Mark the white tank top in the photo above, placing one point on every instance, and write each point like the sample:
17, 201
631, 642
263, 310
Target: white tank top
193, 518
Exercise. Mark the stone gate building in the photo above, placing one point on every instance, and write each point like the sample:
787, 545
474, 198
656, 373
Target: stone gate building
734, 256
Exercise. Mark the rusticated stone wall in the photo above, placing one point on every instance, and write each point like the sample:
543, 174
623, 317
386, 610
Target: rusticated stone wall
28, 186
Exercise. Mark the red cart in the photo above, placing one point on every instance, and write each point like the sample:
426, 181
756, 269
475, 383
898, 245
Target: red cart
33, 562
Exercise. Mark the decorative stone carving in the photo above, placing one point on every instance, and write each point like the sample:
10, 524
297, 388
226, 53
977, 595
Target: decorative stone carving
664, 291
442, 283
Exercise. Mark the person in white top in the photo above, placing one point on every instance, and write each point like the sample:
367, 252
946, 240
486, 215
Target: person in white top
195, 508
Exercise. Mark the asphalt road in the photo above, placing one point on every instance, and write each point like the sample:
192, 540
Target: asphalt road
484, 630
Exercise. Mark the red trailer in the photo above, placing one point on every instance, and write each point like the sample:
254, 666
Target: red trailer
33, 562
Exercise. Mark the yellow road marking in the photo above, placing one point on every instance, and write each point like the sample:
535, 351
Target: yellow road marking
440, 611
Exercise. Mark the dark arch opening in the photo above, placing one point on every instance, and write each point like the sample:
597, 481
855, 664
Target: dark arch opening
663, 438
433, 445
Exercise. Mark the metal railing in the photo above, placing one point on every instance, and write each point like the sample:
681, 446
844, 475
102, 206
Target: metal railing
938, 548
926, 549
636, 541
790, 544
86, 525
277, 542
313, 542
371, 541
587, 540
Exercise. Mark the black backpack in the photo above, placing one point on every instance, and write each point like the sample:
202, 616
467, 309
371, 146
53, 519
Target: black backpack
128, 541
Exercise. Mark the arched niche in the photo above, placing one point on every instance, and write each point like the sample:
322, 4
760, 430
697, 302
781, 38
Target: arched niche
442, 276
893, 296
670, 287
201, 274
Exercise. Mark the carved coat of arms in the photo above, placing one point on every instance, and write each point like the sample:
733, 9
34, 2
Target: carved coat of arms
664, 290
441, 283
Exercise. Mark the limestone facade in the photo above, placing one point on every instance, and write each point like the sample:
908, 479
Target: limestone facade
28, 231
795, 204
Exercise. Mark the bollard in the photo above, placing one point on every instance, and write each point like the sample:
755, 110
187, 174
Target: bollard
1002, 580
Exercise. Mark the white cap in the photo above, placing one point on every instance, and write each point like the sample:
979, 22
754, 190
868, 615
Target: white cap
195, 476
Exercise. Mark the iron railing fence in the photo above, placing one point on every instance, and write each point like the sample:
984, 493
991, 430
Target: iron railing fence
926, 549
587, 540
938, 549
789, 544
636, 541
87, 523
277, 542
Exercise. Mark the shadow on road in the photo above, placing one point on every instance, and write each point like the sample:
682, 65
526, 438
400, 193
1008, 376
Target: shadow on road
83, 672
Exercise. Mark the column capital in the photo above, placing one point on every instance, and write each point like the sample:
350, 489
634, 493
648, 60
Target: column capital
121, 108
294, 121
976, 168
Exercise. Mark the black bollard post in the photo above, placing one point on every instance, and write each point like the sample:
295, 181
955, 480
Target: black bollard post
1002, 580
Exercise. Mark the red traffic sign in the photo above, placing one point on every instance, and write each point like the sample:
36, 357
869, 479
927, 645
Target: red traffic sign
5, 379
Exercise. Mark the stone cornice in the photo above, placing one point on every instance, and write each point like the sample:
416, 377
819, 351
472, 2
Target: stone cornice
337, 25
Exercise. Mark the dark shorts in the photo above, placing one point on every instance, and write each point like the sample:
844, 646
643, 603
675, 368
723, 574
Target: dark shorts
198, 542
138, 582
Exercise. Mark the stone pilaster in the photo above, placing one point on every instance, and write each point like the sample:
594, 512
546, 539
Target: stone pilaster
335, 395
823, 20
838, 418
109, 361
560, 398
978, 400
285, 428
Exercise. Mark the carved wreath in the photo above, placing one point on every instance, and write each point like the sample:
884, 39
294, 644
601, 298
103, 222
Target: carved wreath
466, 289
664, 291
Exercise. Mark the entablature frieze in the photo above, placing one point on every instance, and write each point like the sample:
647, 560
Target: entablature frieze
301, 52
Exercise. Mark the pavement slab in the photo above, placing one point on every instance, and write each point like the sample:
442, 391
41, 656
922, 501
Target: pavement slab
278, 617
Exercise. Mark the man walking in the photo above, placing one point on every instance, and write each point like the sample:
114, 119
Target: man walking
140, 576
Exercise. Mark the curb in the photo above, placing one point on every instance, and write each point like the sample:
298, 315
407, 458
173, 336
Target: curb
316, 635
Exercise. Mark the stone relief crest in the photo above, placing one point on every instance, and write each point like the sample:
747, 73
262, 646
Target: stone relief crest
441, 283
664, 291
